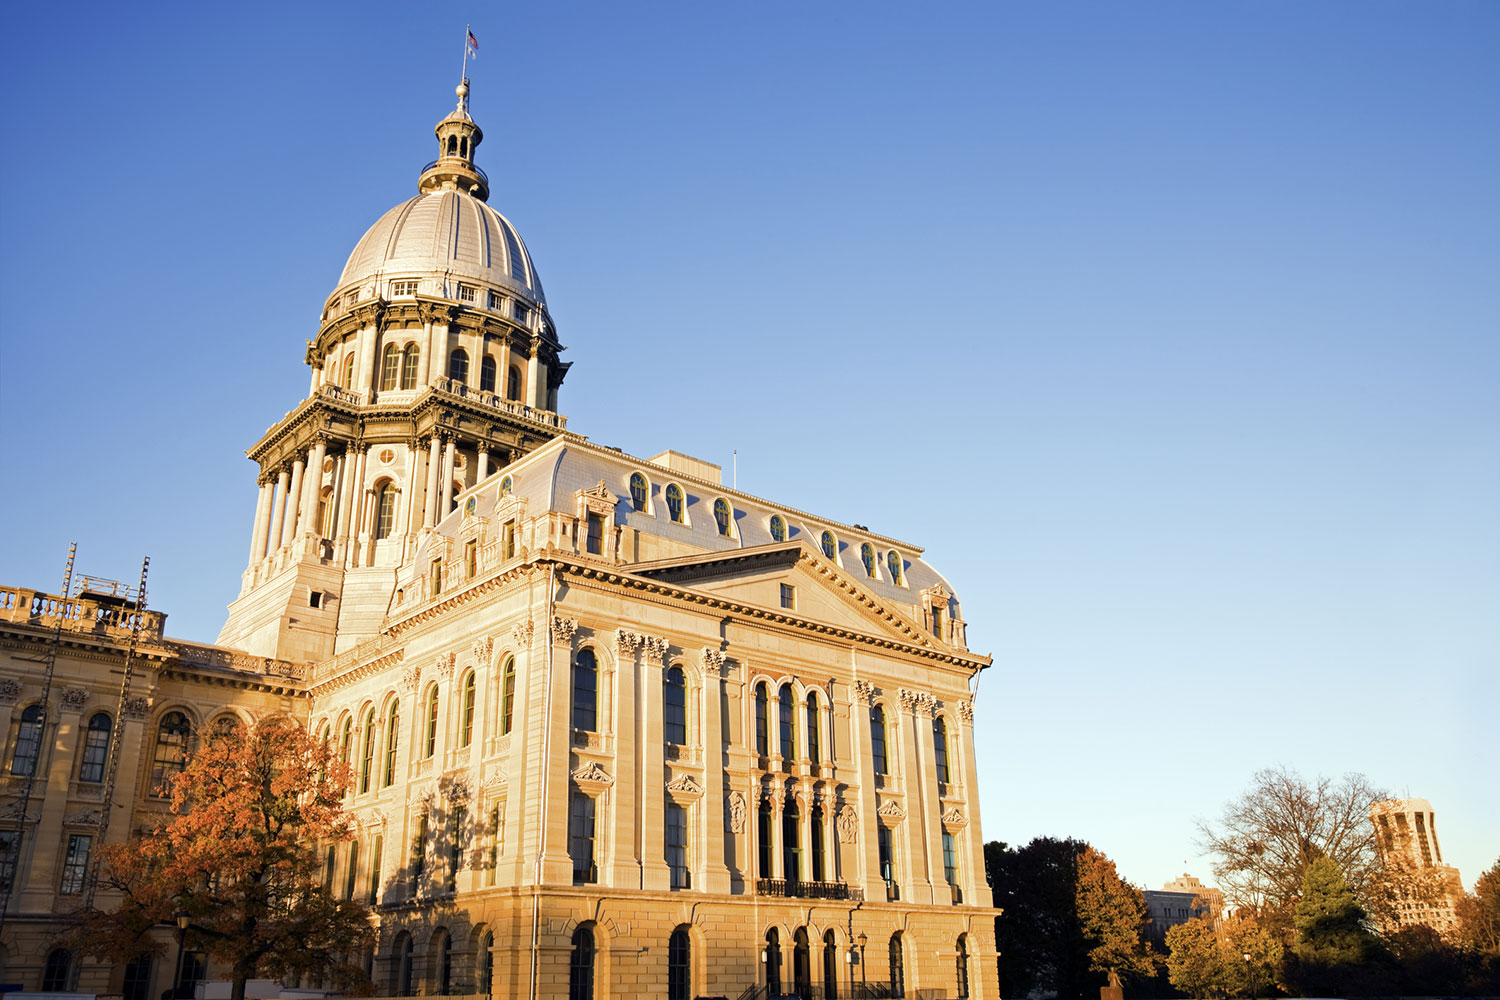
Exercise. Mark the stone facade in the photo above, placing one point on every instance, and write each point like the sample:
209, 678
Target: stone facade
1406, 835
617, 729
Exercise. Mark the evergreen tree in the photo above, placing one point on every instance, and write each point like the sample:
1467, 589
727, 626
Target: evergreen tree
1333, 953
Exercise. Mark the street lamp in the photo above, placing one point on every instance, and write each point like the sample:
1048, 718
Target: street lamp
183, 918
1249, 976
862, 939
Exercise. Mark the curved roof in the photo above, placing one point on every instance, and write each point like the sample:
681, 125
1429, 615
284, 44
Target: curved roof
448, 233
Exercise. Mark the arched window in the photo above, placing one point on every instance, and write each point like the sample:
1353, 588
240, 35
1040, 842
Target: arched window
830, 546
585, 691
680, 965
28, 741
830, 966
385, 510
466, 711
392, 733
637, 491
390, 367
55, 972
674, 503
486, 963
507, 485
458, 366
788, 720
513, 384
352, 875
581, 966
791, 840
368, 759
801, 964
812, 727
507, 695
762, 720
346, 738
778, 528
445, 964
463, 150
940, 747
893, 563
409, 359
429, 743
721, 515
95, 748
877, 739
818, 868
898, 970
867, 556
674, 706
763, 822
376, 854
773, 962
453, 145
487, 374
403, 966
348, 381
137, 984
171, 752
962, 961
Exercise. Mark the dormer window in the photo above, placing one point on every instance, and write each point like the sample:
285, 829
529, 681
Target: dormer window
830, 545
638, 491
674, 503
778, 528
351, 297
721, 515
467, 293
404, 288
867, 556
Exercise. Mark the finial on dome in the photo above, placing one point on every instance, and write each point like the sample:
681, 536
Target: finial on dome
462, 90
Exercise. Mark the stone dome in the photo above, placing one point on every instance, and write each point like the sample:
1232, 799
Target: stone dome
442, 239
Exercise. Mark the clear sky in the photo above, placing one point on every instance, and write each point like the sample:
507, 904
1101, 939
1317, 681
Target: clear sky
1168, 329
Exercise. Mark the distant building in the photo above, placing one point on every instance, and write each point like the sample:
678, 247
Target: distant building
1179, 901
1406, 835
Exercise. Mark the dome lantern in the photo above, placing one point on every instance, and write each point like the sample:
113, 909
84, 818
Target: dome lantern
454, 169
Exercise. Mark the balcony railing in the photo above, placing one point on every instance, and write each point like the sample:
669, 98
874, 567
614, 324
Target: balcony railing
467, 166
795, 889
464, 391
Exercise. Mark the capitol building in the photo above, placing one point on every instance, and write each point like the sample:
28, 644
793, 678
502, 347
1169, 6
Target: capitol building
617, 729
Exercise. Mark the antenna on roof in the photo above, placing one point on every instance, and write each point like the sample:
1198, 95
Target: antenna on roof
735, 474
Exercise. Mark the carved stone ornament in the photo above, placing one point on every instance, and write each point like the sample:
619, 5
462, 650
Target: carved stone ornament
593, 776
422, 801
411, 677
82, 817
499, 778
891, 811
445, 664
562, 630
926, 703
627, 642
13, 811
136, 707
966, 711
482, 649
598, 500
521, 632
736, 812
375, 817
655, 646
864, 691
684, 785
10, 690
954, 819
937, 596
908, 699
713, 659
848, 824
73, 699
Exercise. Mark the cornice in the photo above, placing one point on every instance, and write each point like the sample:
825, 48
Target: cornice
472, 592
355, 674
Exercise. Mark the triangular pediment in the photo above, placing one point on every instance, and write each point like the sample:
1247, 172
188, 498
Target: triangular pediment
822, 591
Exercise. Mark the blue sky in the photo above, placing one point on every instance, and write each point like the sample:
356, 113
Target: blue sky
1169, 330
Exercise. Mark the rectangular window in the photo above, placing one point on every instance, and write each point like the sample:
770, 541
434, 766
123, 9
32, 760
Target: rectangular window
937, 623
328, 864
403, 288
510, 539
471, 558
375, 854
521, 313
419, 849
497, 302
75, 864
467, 293
351, 877
351, 297
788, 596
950, 859
10, 852
497, 832
677, 845
595, 534
437, 577
581, 838
455, 847
887, 855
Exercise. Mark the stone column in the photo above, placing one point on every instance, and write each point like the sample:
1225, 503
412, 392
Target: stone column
923, 834
715, 794
437, 354
365, 375
434, 443
502, 367
311, 521
777, 845
553, 774
804, 832
971, 855
649, 751
865, 803
482, 472
449, 447
412, 506
631, 749
536, 379
263, 500
293, 502
351, 496
278, 512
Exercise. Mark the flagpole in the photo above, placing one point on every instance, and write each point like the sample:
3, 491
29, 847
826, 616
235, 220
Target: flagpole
464, 73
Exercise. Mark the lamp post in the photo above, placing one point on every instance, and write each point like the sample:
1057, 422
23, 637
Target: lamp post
183, 918
863, 984
1249, 976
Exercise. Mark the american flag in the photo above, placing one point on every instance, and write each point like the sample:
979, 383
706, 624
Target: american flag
473, 45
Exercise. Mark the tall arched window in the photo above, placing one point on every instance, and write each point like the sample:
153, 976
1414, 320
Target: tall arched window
940, 747
385, 510
172, 736
674, 502
877, 739
392, 734
348, 381
950, 863
376, 854
818, 872
801, 964
867, 556
581, 966
367, 761
721, 515
813, 747
445, 964
486, 963
680, 965
429, 742
764, 837
585, 691
403, 966
513, 384
346, 738
637, 491
830, 966
962, 962
791, 840
458, 366
28, 741
466, 711
898, 969
674, 706
773, 962
55, 971
390, 367
351, 877
762, 720
409, 358
788, 720
95, 748
893, 563
507, 695
487, 374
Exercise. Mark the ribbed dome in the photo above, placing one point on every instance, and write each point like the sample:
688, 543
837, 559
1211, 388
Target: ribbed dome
442, 238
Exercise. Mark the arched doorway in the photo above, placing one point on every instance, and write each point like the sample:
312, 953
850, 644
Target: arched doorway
773, 961
801, 965
898, 970
581, 966
830, 967
680, 965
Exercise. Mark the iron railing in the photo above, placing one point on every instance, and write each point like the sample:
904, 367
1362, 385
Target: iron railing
797, 889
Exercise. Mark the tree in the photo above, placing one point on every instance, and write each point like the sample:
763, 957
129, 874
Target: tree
1333, 953
1112, 914
1195, 957
1479, 914
239, 856
1267, 838
1207, 958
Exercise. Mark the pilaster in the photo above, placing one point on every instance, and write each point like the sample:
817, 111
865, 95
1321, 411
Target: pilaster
278, 511
293, 502
49, 842
711, 819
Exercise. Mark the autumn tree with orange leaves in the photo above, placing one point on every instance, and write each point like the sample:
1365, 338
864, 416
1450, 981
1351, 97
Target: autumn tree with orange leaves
239, 855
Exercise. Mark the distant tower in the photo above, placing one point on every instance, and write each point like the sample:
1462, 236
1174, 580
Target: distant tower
1406, 834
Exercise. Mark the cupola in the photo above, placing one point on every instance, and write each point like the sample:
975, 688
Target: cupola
454, 169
